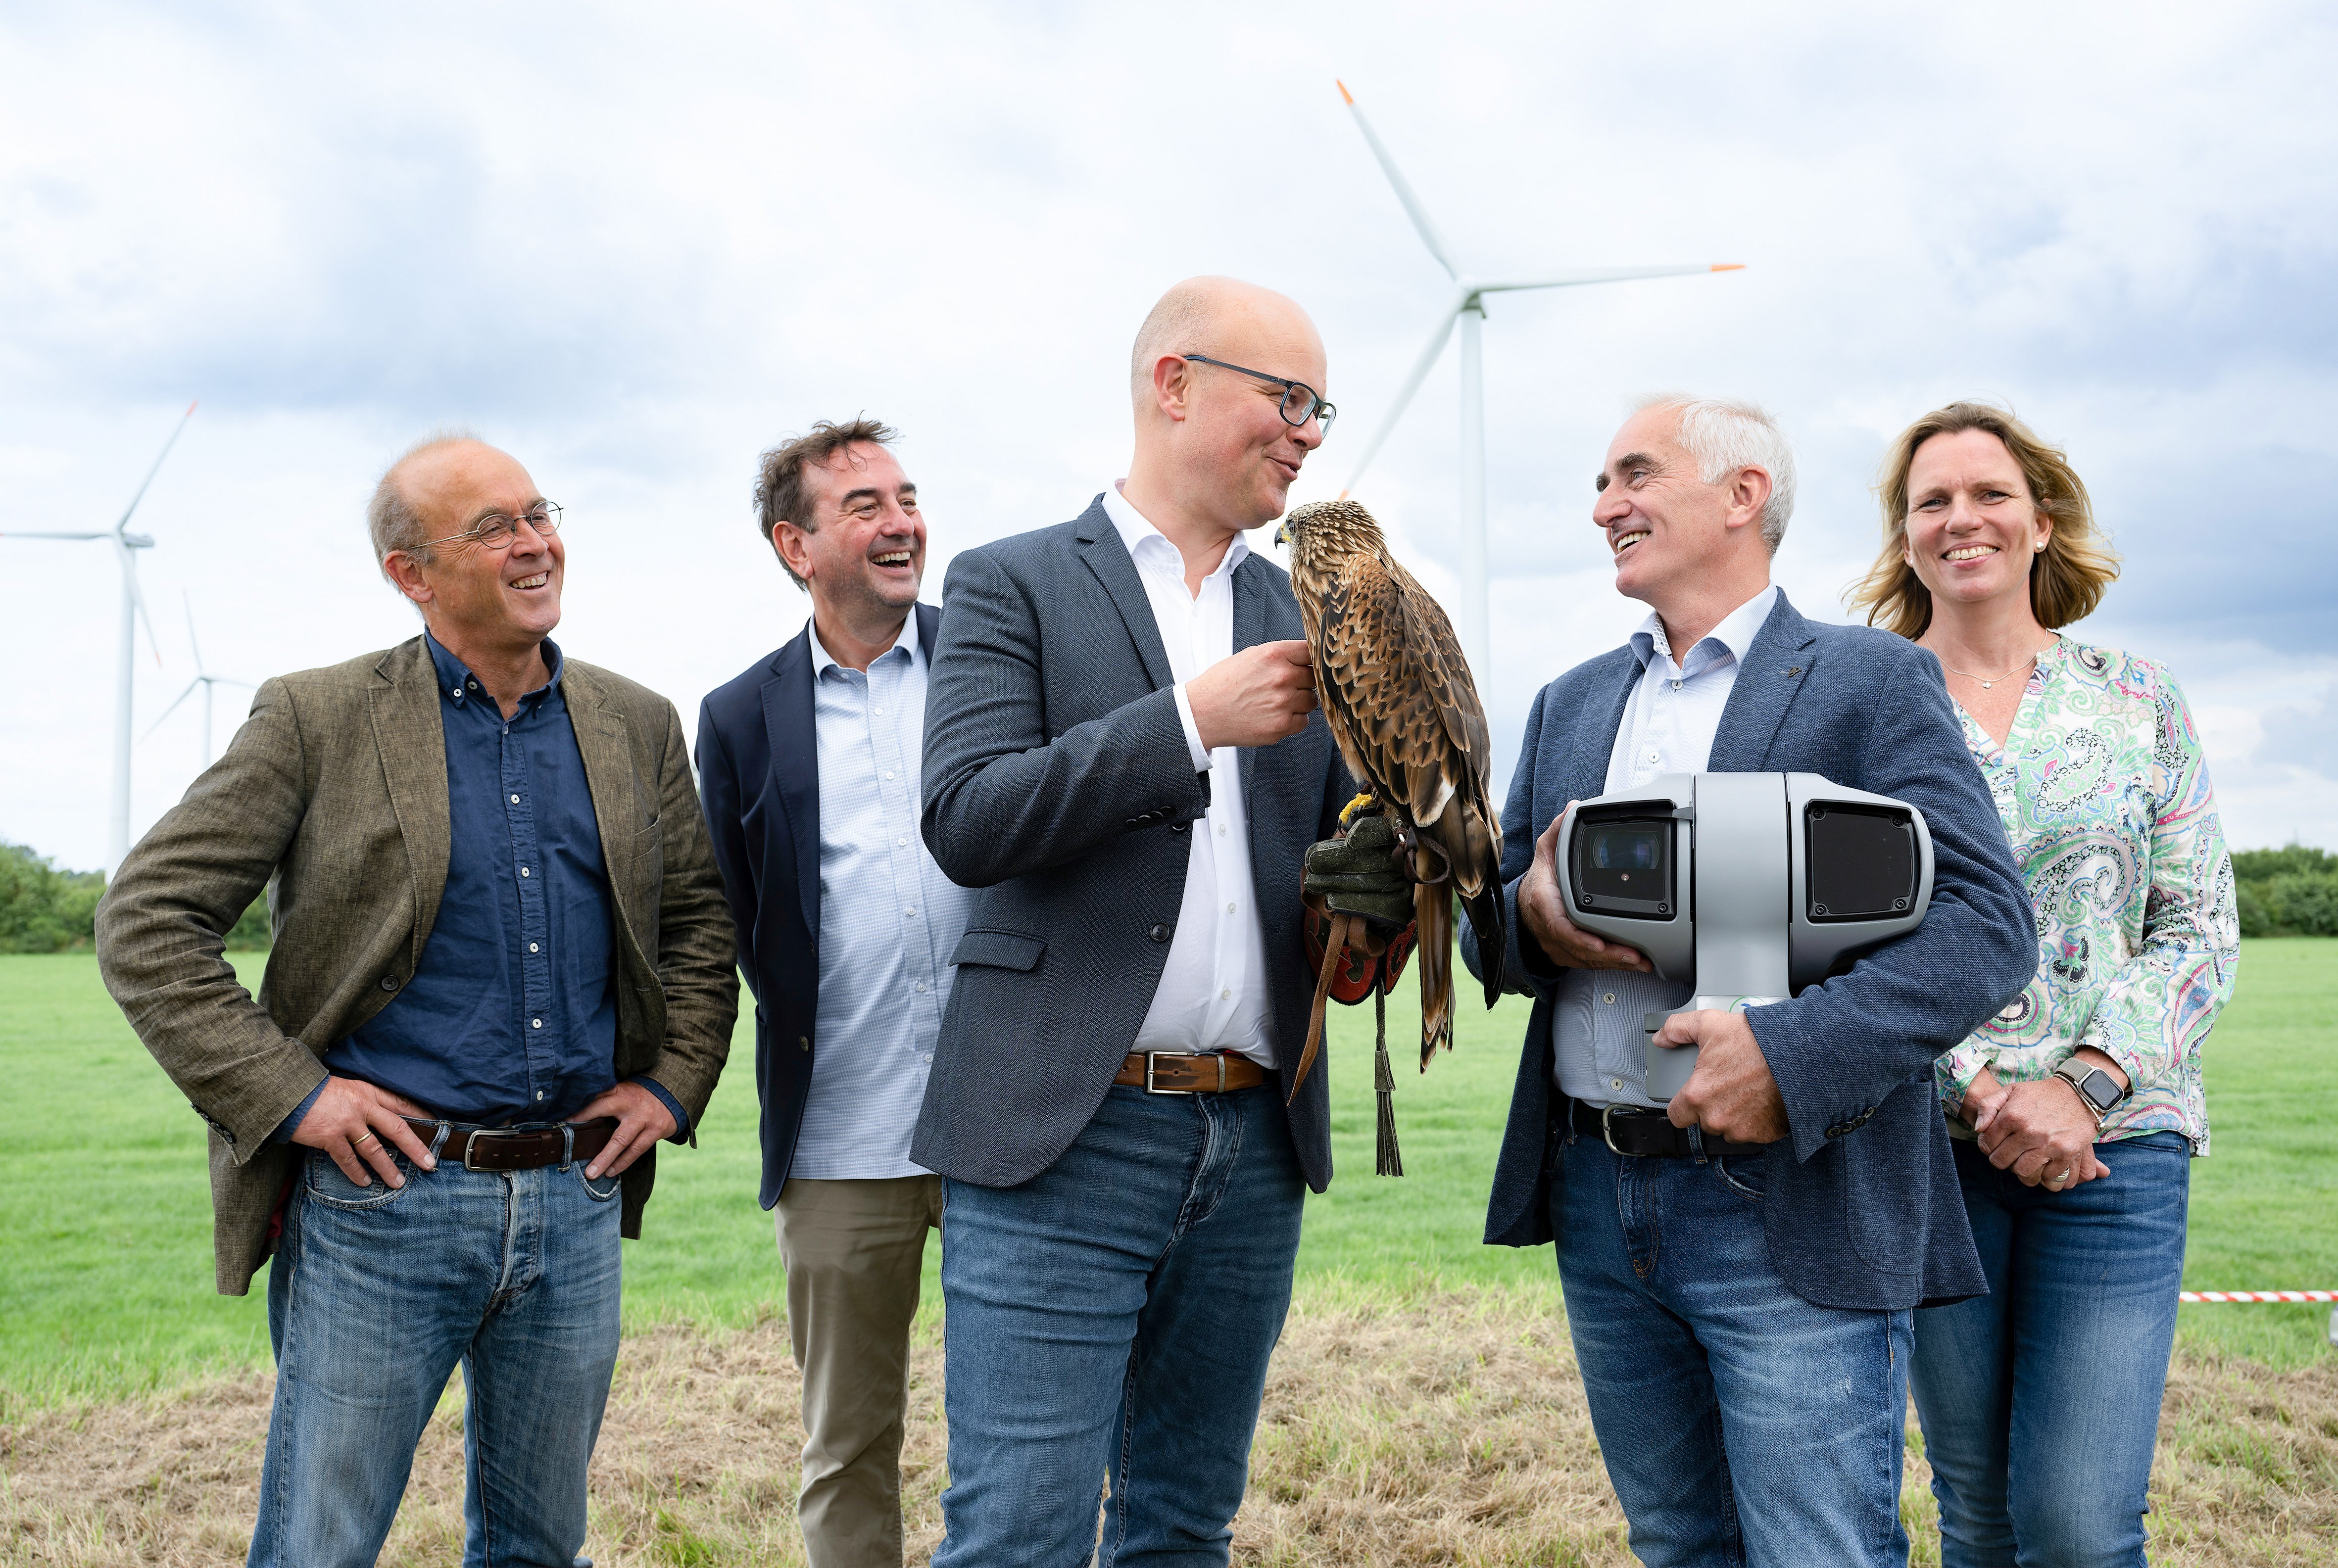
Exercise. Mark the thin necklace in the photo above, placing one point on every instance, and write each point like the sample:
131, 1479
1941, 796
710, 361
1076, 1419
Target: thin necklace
1987, 681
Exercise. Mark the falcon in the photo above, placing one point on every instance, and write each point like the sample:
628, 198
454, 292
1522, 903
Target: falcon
1402, 707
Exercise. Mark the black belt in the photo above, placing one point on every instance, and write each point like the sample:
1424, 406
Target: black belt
1644, 1132
519, 1148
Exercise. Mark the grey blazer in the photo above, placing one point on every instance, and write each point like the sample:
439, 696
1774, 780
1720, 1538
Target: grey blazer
1057, 783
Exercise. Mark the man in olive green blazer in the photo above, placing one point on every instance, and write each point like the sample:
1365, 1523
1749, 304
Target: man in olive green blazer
503, 969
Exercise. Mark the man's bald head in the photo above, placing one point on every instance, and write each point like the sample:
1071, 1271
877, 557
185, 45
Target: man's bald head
399, 515
1219, 317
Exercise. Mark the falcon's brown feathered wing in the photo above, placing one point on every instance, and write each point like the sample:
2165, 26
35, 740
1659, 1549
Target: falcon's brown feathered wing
1398, 694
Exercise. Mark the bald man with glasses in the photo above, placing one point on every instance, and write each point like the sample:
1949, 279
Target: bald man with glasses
502, 972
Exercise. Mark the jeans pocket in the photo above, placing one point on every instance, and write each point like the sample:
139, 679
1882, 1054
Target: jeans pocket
325, 1183
600, 1191
1747, 1175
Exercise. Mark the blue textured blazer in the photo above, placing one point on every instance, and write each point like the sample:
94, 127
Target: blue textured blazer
1861, 1209
758, 779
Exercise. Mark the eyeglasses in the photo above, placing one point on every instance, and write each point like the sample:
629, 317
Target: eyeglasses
495, 531
1300, 403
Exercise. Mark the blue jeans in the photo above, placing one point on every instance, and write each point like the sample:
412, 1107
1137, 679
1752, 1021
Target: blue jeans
1740, 1424
375, 1295
1113, 1316
2041, 1400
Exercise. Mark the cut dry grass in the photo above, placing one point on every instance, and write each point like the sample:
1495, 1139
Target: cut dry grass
1413, 1429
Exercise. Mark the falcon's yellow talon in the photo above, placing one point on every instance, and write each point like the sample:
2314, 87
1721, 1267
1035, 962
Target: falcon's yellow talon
1348, 812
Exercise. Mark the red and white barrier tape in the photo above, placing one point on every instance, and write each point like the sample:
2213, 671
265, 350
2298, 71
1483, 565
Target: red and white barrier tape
2257, 1296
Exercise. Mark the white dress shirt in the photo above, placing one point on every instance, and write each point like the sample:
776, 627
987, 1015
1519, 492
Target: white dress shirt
888, 919
1668, 725
1212, 993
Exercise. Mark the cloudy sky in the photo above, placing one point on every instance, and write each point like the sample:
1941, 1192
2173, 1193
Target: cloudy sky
635, 245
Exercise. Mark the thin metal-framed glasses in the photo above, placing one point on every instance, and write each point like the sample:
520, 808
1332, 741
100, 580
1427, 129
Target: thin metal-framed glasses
1300, 403
494, 530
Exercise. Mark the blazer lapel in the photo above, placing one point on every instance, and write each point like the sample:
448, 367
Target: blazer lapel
794, 734
1108, 557
1595, 744
1777, 666
410, 736
605, 741
1249, 631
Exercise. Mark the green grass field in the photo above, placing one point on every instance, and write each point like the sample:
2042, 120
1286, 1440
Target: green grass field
105, 1213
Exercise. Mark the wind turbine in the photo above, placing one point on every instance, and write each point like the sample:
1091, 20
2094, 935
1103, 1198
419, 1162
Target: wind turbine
1466, 306
203, 678
126, 545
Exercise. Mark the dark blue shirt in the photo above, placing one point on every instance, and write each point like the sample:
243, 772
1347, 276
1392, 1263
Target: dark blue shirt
511, 1015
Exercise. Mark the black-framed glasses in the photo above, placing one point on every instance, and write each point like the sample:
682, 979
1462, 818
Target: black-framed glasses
495, 531
1300, 403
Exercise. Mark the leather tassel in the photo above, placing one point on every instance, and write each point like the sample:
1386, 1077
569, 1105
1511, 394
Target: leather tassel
1335, 942
1390, 1160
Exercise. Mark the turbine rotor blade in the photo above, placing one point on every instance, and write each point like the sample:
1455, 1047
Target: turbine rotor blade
47, 533
130, 579
1411, 204
1602, 275
1421, 369
187, 602
174, 708
157, 468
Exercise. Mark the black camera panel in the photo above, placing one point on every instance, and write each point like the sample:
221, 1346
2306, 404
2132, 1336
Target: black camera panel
1862, 862
1624, 865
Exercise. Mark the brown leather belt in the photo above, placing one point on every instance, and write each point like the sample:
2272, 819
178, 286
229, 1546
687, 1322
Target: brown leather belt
516, 1148
1644, 1132
1182, 1072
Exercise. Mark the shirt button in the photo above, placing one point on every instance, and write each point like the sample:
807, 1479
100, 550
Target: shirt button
515, 799
1654, 755
1230, 908
928, 1057
912, 913
1222, 832
1609, 998
522, 870
531, 947
921, 987
889, 772
1225, 996
900, 843
539, 1094
537, 1021
876, 711
1615, 1083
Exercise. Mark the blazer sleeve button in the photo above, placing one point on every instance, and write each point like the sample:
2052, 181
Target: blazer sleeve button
1177, 826
803, 1042
389, 982
1160, 932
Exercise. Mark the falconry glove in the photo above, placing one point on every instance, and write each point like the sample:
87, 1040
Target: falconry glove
1361, 873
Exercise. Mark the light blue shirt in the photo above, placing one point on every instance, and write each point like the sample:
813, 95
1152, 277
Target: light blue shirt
1601, 1054
888, 919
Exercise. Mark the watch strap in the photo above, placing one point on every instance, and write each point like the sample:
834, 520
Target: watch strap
2078, 1082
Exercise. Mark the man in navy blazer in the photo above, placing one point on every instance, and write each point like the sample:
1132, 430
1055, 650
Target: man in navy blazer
809, 765
1740, 1266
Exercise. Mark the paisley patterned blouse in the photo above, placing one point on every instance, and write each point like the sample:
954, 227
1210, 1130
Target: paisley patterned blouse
2105, 797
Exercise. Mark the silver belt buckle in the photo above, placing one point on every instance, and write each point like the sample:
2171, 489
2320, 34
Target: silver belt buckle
1607, 1132
470, 1141
1152, 1056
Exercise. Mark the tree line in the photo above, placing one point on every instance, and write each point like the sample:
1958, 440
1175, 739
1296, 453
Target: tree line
2290, 892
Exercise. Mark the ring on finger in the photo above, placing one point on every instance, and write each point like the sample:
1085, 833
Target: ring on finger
363, 1142
2058, 1178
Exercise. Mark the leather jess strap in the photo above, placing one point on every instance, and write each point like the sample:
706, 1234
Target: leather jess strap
1178, 1073
514, 1148
1644, 1133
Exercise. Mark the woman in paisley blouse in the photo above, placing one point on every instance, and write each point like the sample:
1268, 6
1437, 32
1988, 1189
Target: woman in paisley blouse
2077, 1110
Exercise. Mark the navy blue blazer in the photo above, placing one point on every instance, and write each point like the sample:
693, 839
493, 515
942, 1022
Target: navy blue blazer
759, 778
1861, 1208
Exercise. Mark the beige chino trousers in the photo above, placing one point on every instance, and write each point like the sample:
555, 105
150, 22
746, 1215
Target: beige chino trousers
853, 1253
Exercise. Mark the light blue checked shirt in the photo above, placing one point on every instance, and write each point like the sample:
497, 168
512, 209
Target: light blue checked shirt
888, 919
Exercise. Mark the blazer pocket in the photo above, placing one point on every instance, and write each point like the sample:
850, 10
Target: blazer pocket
1000, 949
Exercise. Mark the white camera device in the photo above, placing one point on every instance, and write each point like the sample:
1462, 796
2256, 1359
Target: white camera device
1751, 887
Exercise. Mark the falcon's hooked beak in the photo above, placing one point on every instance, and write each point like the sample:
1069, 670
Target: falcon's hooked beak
1283, 534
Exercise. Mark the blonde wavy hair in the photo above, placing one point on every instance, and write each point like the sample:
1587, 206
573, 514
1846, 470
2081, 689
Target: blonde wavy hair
2067, 579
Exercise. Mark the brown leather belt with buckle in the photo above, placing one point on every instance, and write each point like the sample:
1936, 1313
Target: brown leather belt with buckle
1184, 1073
516, 1148
1644, 1132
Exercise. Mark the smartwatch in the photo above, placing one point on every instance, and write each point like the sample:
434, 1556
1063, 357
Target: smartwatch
2099, 1089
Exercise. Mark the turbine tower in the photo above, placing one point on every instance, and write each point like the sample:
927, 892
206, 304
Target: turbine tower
203, 678
1466, 306
126, 545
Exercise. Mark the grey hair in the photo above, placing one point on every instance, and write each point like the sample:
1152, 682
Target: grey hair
393, 519
1728, 433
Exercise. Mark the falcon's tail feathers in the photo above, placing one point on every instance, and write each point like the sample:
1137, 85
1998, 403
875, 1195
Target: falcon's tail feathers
1432, 910
1493, 939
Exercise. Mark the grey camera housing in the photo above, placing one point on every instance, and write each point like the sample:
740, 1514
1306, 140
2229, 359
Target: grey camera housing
1752, 886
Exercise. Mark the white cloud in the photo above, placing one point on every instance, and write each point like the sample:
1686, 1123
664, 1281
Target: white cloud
636, 246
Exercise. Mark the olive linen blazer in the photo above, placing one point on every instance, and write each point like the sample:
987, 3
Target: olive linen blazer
333, 797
